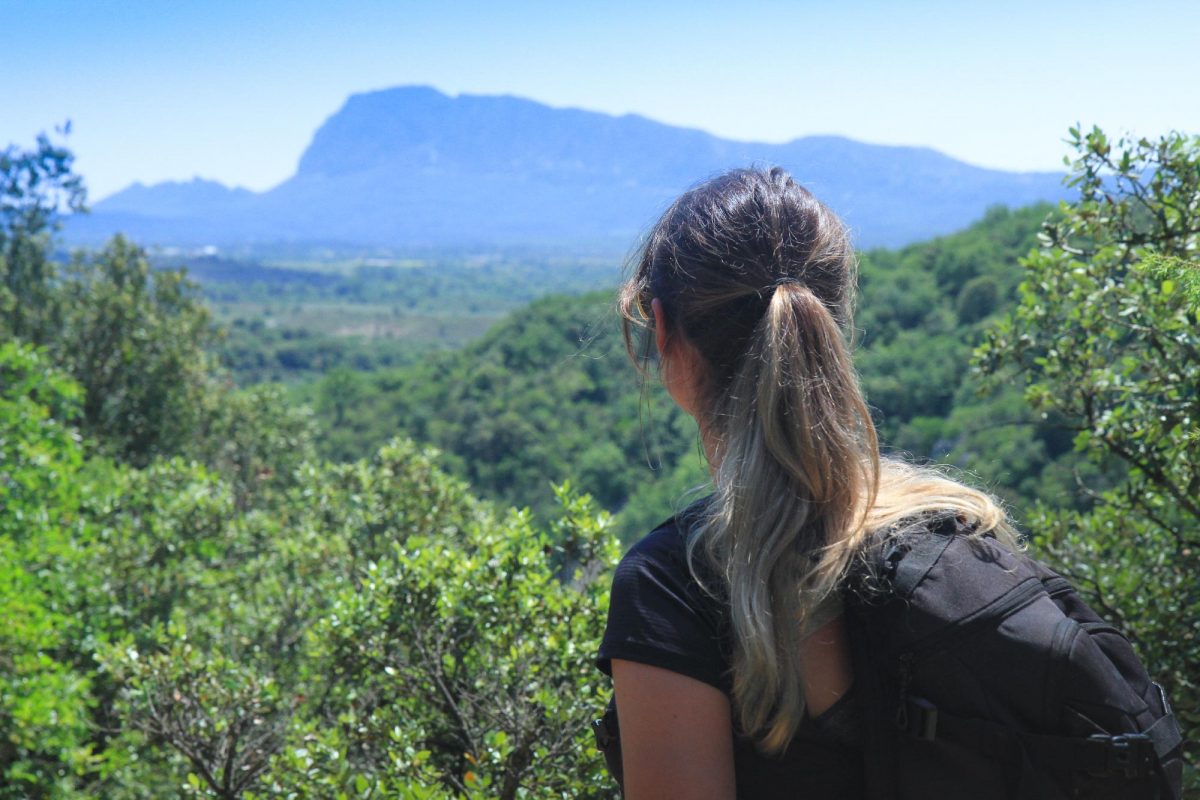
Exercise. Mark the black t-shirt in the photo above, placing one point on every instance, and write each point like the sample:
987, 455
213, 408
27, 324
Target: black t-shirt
659, 615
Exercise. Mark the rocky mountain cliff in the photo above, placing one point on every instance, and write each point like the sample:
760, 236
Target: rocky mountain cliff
412, 167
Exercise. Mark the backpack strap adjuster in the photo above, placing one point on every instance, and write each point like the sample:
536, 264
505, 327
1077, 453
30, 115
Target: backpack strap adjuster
1130, 754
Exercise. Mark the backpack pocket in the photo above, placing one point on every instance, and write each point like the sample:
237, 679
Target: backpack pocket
1092, 693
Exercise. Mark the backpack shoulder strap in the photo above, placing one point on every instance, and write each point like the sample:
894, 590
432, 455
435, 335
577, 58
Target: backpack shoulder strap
915, 565
874, 695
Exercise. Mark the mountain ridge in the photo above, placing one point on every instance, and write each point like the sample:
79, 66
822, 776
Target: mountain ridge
413, 167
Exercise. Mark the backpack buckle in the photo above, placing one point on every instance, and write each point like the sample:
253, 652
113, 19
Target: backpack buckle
1130, 754
919, 718
603, 733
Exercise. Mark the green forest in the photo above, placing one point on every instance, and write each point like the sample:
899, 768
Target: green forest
270, 532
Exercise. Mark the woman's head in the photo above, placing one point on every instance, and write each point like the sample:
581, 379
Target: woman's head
754, 280
717, 256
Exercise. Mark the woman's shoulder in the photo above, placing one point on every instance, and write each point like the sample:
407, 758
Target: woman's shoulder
666, 546
660, 614
662, 550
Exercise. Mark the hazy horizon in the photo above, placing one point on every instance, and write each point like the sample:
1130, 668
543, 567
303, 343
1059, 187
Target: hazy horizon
232, 92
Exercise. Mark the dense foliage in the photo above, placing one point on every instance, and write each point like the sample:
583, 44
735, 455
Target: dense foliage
195, 606
371, 629
45, 697
545, 397
1106, 338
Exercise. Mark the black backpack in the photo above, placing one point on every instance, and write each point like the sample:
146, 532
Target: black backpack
984, 675
981, 674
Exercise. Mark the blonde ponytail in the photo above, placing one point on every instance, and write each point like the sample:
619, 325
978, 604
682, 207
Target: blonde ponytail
797, 468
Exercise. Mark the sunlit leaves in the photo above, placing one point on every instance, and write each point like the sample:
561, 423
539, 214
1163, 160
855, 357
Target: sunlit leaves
473, 652
1106, 338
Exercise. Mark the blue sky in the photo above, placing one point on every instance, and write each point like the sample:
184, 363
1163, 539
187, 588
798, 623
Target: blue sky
233, 91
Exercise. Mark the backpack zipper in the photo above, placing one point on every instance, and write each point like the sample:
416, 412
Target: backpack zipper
1056, 585
1020, 596
905, 669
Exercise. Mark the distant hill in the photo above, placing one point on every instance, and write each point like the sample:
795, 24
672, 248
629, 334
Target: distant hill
411, 167
174, 199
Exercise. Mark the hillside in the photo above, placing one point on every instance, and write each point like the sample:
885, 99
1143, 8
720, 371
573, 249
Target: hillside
411, 167
548, 394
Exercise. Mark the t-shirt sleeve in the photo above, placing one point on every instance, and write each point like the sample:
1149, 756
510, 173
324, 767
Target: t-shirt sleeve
659, 615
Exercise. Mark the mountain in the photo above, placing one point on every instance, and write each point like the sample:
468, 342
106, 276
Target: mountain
411, 167
174, 199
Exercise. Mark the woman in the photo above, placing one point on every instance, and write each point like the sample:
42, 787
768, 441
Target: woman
726, 641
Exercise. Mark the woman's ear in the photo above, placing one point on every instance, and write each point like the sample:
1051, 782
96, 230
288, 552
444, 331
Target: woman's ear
681, 369
660, 326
